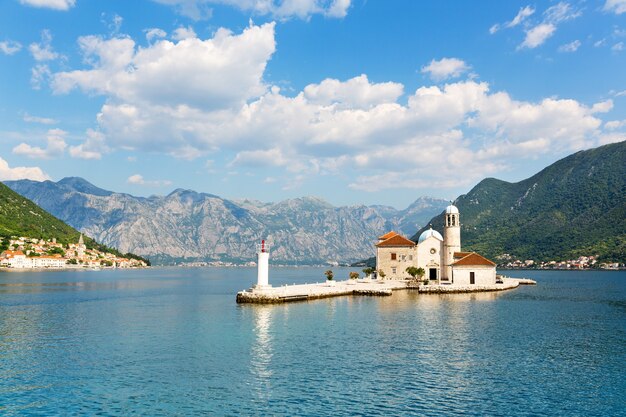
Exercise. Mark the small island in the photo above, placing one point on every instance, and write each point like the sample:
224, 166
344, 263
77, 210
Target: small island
434, 264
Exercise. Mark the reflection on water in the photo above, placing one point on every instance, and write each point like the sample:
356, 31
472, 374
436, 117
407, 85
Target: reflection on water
262, 350
174, 342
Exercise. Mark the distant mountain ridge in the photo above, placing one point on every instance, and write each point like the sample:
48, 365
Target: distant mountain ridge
574, 207
189, 226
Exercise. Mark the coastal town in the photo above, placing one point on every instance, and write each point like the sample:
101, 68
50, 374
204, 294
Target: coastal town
506, 261
32, 253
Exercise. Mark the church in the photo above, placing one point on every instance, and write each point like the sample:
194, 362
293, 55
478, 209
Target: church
440, 257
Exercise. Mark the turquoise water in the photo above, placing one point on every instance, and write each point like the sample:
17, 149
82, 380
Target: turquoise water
173, 342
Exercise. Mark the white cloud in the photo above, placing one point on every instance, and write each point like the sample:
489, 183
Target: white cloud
537, 35
434, 135
602, 107
561, 12
41, 120
615, 124
304, 9
620, 93
93, 147
55, 148
445, 68
357, 92
184, 33
139, 180
523, 13
39, 75
43, 51
618, 47
50, 4
19, 173
10, 47
155, 33
520, 17
615, 6
570, 47
187, 75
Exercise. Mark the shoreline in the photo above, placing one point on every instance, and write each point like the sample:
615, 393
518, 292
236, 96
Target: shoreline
306, 292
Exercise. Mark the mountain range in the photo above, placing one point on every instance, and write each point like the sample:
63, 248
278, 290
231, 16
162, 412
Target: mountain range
189, 226
574, 207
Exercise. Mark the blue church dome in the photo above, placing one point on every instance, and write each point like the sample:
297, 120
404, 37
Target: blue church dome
428, 233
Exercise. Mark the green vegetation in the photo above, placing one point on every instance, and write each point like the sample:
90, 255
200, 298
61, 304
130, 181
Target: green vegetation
368, 272
329, 275
354, 275
416, 273
574, 207
21, 217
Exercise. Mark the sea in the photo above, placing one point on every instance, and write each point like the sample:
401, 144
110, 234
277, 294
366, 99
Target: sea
173, 342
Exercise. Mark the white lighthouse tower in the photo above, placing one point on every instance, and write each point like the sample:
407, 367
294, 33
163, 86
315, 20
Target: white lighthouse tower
451, 240
263, 258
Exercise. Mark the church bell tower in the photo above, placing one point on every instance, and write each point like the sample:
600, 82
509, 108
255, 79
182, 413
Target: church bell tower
451, 240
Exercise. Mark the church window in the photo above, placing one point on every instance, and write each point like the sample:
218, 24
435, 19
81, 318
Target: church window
410, 257
393, 270
393, 256
403, 257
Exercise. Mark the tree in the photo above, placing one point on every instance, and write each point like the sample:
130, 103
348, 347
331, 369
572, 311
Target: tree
368, 271
329, 275
416, 273
354, 275
381, 273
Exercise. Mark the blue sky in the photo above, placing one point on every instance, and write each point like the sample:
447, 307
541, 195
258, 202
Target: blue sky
355, 101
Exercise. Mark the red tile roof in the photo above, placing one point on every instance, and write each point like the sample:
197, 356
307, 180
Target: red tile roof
396, 240
388, 235
461, 254
473, 259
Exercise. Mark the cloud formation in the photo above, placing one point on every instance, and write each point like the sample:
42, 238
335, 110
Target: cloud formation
139, 180
438, 135
50, 4
552, 17
280, 9
570, 47
615, 6
521, 16
41, 120
43, 51
55, 146
9, 47
19, 173
445, 68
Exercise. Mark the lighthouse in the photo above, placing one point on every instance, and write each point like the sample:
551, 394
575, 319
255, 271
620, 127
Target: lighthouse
263, 258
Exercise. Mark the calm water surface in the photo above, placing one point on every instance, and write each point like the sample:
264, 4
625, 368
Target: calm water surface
173, 342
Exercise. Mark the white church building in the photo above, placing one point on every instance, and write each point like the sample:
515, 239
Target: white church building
440, 257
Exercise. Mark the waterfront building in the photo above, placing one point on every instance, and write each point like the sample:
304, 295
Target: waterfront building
440, 256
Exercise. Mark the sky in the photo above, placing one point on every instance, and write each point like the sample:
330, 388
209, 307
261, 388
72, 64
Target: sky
354, 101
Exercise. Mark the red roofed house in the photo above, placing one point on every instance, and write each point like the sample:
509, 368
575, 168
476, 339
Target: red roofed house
441, 257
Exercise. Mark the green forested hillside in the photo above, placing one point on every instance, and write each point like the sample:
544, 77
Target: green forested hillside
21, 217
576, 206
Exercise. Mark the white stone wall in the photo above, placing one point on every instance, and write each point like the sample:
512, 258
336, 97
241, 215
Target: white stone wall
405, 256
483, 275
427, 259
